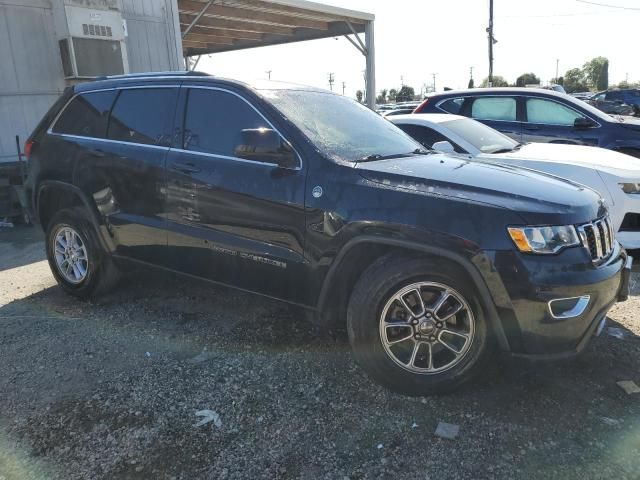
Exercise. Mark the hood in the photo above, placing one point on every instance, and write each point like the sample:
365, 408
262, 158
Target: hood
538, 198
608, 161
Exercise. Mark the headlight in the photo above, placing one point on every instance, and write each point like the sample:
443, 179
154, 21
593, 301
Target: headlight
630, 187
544, 240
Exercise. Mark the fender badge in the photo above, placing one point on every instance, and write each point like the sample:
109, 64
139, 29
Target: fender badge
317, 191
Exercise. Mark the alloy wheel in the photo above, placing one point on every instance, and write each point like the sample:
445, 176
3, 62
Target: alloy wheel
70, 254
427, 327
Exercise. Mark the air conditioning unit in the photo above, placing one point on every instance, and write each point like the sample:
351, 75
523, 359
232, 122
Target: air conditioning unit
94, 45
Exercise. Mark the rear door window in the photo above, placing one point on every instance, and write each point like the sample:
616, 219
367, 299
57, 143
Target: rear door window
143, 115
494, 108
547, 112
215, 120
86, 115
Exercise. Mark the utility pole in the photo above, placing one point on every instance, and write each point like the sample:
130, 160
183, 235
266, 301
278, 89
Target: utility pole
344, 85
268, 72
331, 81
557, 63
471, 73
402, 80
434, 81
491, 42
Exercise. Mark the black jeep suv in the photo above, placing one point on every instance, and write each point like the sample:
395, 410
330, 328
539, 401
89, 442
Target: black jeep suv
308, 197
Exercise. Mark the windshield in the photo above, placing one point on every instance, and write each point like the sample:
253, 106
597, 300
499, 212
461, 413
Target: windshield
341, 128
484, 138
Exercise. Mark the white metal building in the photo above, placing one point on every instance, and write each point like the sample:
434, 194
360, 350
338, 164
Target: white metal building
46, 45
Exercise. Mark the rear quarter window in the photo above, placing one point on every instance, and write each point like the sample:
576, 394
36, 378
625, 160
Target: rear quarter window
86, 115
453, 105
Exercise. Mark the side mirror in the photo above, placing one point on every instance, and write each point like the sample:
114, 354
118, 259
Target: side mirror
265, 145
582, 122
443, 147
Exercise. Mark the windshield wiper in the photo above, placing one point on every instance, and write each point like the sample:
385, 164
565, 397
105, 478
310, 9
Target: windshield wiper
508, 150
376, 156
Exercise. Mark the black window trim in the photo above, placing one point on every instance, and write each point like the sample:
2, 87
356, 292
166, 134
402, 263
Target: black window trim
226, 157
107, 140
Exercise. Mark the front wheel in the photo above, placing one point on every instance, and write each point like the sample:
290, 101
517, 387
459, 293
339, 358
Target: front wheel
416, 325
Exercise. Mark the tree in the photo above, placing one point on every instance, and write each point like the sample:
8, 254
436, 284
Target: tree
393, 93
596, 72
527, 79
470, 83
498, 81
603, 79
557, 81
359, 96
574, 81
382, 98
405, 94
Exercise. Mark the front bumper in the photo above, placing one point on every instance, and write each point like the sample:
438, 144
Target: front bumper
542, 308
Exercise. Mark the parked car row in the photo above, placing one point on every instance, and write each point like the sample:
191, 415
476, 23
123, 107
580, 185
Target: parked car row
400, 108
431, 260
614, 175
515, 125
618, 101
535, 115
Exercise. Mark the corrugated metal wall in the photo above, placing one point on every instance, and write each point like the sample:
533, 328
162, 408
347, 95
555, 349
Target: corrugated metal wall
30, 70
31, 76
151, 44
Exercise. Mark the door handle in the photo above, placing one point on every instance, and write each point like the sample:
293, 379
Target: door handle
184, 167
531, 127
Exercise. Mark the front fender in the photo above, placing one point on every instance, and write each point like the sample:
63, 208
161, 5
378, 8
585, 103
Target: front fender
473, 265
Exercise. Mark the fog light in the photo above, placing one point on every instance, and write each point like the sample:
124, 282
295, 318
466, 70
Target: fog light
562, 308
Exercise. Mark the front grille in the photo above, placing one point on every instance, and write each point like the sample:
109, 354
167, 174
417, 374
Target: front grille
598, 238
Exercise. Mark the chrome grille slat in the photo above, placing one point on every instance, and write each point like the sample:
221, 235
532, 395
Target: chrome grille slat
607, 236
598, 238
603, 240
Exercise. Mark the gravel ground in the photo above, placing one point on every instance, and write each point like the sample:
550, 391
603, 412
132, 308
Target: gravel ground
109, 390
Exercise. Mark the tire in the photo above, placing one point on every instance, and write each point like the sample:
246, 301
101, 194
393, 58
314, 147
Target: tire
96, 272
375, 296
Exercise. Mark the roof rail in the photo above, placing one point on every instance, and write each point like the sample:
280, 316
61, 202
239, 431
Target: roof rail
173, 73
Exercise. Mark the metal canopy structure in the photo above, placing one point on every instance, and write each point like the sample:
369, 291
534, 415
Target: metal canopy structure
214, 26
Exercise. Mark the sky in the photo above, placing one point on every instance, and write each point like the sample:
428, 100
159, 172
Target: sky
416, 38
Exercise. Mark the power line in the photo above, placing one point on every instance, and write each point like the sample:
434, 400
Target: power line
608, 5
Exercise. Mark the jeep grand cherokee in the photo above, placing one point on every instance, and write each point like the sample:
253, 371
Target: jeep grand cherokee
309, 197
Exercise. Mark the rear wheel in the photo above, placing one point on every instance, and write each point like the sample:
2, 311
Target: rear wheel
75, 257
416, 326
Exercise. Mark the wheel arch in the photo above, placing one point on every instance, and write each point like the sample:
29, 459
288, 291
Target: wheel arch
349, 265
54, 195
